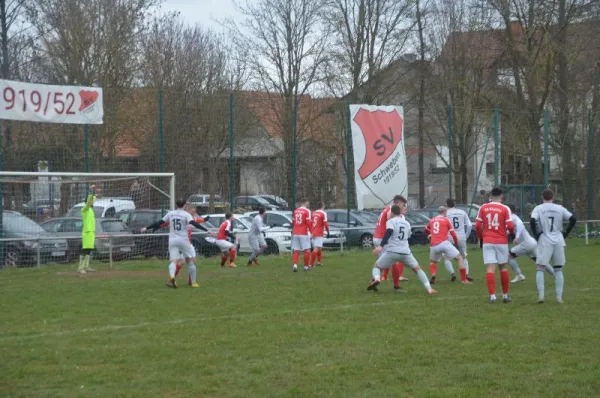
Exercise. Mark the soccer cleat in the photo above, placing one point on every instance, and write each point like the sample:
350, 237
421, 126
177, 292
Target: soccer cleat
507, 300
432, 280
232, 265
373, 285
431, 291
295, 269
171, 283
306, 269
88, 269
518, 278
452, 277
403, 279
195, 285
469, 278
249, 263
540, 300
81, 271
256, 262
319, 264
492, 300
399, 290
466, 282
559, 300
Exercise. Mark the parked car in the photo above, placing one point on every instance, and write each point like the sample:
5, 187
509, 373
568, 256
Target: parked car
202, 201
70, 228
283, 219
104, 207
252, 203
152, 245
25, 252
279, 240
275, 201
40, 207
361, 225
418, 222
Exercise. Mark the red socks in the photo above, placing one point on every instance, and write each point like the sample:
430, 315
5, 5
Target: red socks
384, 274
177, 269
313, 257
505, 280
306, 258
231, 256
223, 259
396, 274
319, 255
296, 257
433, 269
463, 274
491, 282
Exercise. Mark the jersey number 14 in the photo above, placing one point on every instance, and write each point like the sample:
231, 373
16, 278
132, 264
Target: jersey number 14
492, 221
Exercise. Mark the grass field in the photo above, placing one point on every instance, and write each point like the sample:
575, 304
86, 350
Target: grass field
266, 332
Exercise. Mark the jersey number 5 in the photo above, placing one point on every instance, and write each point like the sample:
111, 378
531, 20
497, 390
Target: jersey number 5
177, 224
492, 221
401, 233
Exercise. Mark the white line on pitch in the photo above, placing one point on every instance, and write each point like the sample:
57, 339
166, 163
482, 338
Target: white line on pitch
113, 328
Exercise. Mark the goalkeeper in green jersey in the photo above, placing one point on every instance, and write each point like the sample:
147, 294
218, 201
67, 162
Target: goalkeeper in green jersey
88, 233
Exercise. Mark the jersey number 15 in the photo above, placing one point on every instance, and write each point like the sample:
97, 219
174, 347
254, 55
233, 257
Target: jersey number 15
177, 224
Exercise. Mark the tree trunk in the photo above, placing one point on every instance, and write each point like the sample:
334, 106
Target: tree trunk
421, 120
563, 106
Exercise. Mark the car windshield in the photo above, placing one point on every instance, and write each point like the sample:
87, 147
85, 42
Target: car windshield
112, 226
417, 218
20, 223
246, 220
76, 211
365, 217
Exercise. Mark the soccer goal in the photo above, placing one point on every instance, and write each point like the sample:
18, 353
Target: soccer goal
41, 214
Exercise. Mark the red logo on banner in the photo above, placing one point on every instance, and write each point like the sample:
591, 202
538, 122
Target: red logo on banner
88, 98
382, 132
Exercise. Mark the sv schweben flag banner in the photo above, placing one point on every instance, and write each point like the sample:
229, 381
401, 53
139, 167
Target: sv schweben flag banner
50, 104
379, 157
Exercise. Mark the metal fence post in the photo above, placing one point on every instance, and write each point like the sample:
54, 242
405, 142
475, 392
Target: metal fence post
546, 155
231, 159
587, 241
110, 252
496, 147
349, 173
294, 151
39, 256
450, 126
590, 168
86, 143
161, 139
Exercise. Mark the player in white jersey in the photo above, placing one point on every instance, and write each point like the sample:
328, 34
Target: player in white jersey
397, 250
524, 245
462, 226
256, 236
179, 242
547, 226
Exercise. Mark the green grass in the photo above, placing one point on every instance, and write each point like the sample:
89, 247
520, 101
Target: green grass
266, 332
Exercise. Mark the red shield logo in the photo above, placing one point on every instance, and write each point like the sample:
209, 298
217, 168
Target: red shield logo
88, 98
382, 132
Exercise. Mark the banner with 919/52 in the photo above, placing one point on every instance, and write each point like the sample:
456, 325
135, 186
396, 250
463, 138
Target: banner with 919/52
50, 104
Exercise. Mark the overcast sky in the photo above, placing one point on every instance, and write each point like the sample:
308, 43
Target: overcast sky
202, 11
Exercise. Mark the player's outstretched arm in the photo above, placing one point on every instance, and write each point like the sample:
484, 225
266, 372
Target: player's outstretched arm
153, 226
198, 225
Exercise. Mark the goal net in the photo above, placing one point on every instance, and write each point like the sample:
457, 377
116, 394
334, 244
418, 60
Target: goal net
41, 215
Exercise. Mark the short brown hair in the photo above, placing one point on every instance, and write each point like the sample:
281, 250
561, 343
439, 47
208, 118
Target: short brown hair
548, 194
396, 210
399, 198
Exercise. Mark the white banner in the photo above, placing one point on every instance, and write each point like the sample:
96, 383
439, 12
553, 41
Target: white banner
50, 104
379, 156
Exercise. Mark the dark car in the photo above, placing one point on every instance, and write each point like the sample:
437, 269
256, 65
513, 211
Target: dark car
152, 245
275, 201
109, 237
472, 211
358, 229
202, 202
418, 222
252, 203
25, 252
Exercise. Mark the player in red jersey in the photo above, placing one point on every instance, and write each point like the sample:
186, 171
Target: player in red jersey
301, 225
224, 237
378, 234
437, 231
318, 228
493, 222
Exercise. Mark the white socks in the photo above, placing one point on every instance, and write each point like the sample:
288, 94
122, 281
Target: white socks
192, 271
513, 264
539, 281
172, 269
449, 266
466, 265
423, 278
377, 274
560, 281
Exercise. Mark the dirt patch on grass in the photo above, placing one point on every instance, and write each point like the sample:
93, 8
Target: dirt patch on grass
113, 274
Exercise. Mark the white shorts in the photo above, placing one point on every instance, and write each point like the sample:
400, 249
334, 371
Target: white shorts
548, 253
257, 241
495, 253
445, 248
526, 248
181, 249
377, 241
317, 242
387, 259
300, 242
224, 245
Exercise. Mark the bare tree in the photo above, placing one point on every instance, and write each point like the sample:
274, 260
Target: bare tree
285, 42
421, 107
